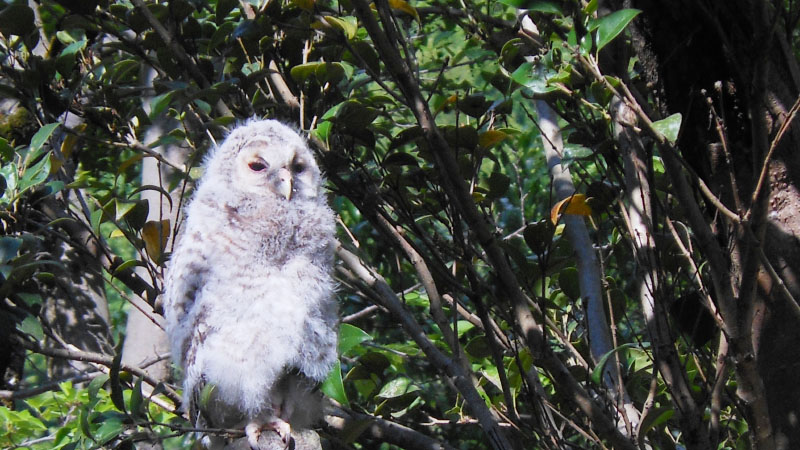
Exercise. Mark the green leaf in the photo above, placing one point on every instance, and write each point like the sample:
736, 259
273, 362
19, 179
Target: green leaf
109, 429
498, 185
136, 401
655, 417
122, 208
537, 82
6, 150
30, 325
116, 385
545, 6
9, 246
478, 347
301, 72
159, 103
568, 281
333, 386
397, 387
597, 373
17, 18
41, 136
669, 127
96, 384
539, 236
610, 26
350, 336
347, 25
223, 8
35, 174
330, 73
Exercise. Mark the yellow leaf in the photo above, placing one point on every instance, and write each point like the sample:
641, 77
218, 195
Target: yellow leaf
155, 234
491, 137
574, 204
116, 233
402, 5
55, 163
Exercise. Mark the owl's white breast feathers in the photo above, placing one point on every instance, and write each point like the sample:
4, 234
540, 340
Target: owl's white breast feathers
249, 291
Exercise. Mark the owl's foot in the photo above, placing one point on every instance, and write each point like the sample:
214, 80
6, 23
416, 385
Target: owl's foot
279, 426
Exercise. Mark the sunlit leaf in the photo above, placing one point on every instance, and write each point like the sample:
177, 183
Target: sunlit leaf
41, 136
574, 204
350, 336
333, 386
669, 127
346, 25
397, 387
545, 6
403, 6
490, 138
155, 234
610, 26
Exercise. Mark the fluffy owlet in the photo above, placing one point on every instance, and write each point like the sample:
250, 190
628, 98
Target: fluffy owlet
249, 298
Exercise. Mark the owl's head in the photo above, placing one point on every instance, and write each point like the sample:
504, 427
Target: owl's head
268, 158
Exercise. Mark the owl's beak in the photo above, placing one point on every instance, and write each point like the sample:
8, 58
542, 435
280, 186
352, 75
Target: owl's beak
283, 185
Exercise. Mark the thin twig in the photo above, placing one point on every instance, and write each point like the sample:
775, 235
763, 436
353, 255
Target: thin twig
97, 358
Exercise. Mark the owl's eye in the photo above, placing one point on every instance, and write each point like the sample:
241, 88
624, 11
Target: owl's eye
258, 166
298, 167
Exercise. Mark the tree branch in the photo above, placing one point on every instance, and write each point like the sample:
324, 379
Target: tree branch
359, 273
97, 358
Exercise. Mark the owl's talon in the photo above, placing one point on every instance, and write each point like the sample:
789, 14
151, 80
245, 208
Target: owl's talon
280, 427
283, 429
253, 433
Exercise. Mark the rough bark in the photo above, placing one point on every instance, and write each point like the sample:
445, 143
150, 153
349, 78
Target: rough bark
729, 61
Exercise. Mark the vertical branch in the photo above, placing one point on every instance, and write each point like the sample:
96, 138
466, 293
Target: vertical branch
590, 277
750, 386
640, 213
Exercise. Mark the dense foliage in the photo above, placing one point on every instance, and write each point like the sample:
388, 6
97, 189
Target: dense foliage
527, 260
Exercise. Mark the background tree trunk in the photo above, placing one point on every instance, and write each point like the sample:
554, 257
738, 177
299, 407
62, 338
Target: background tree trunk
728, 55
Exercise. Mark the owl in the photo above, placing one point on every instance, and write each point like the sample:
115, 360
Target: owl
249, 296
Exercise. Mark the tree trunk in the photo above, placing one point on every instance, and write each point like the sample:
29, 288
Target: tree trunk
726, 61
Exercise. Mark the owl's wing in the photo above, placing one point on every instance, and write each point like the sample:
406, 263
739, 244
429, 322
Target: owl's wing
188, 271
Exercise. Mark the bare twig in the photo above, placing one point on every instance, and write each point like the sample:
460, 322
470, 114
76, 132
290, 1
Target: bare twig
97, 358
385, 431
